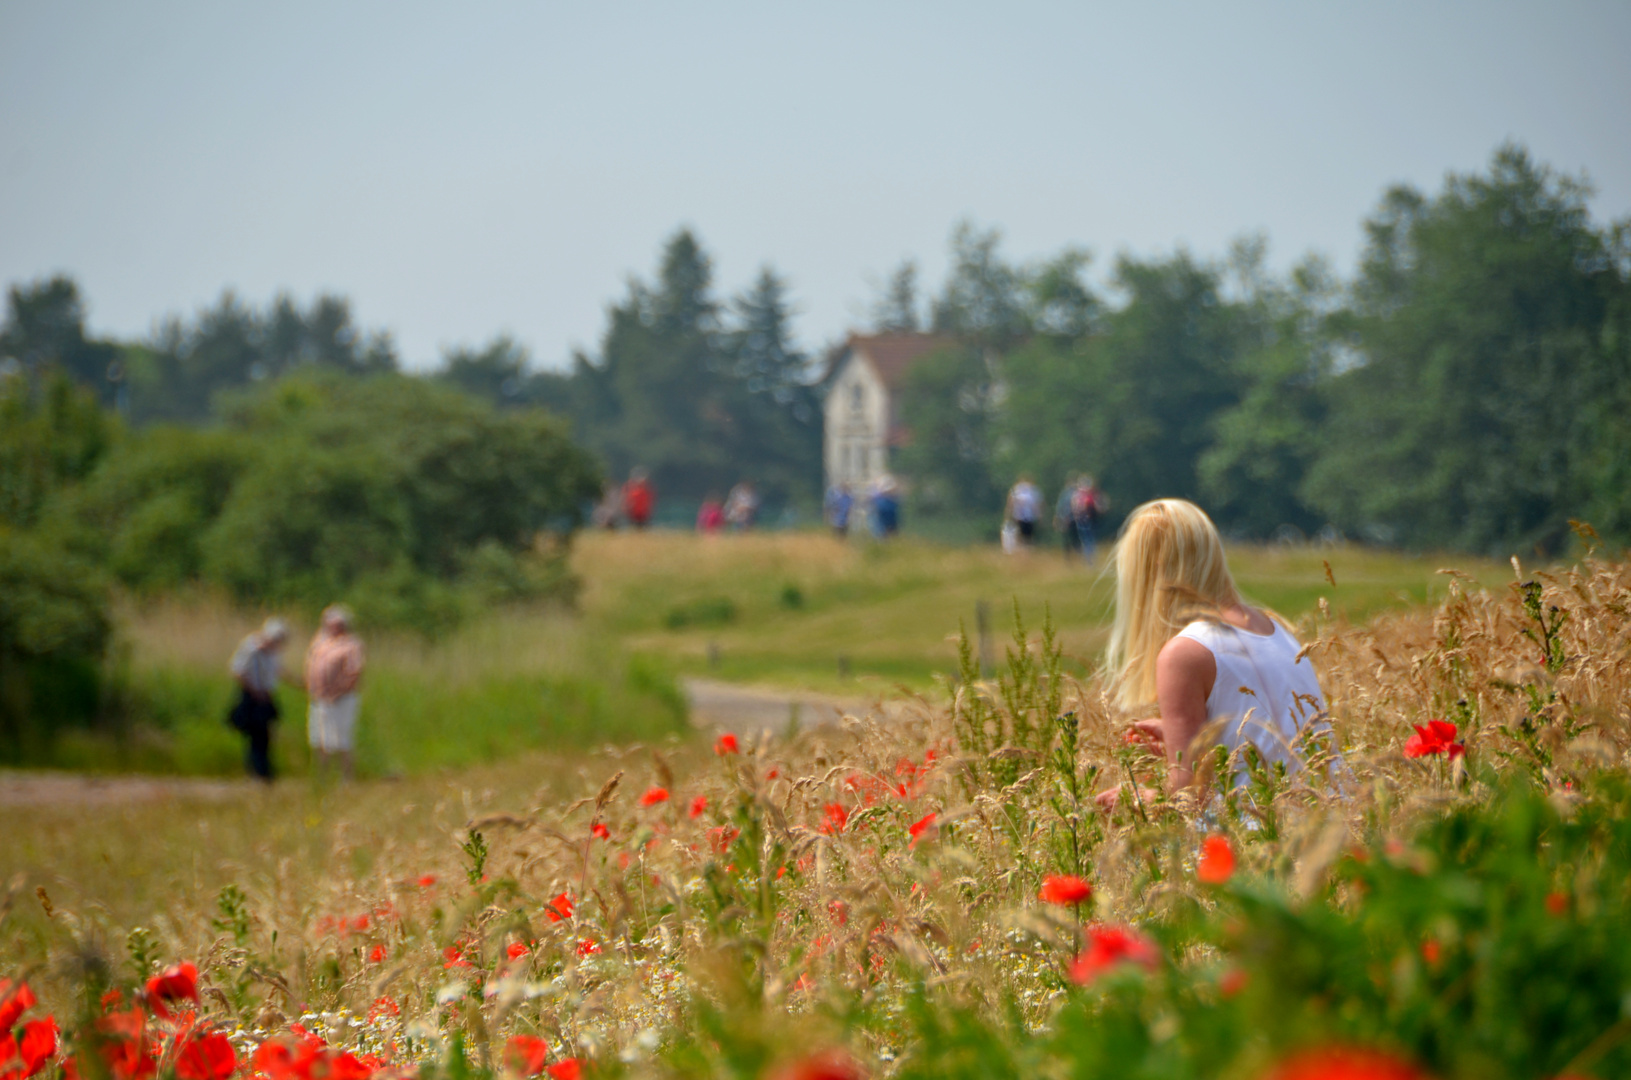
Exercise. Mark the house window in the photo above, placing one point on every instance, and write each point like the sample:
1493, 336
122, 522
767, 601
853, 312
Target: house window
857, 397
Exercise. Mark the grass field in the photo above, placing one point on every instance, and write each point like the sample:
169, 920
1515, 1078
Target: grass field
884, 891
789, 610
783, 608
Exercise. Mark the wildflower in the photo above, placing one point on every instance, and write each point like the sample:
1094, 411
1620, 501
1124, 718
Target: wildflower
823, 1065
1344, 1063
623, 860
26, 1056
177, 982
698, 805
601, 831
1110, 946
526, 1054
838, 911
1233, 981
588, 947
721, 837
1431, 951
126, 1051
206, 1057
565, 1069
772, 774
923, 827
1436, 737
1064, 889
653, 796
382, 1007
377, 954
1217, 862
516, 950
427, 881
559, 908
14, 1001
836, 818
453, 957
726, 744
1557, 904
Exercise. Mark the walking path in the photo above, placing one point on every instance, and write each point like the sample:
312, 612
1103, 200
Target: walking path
751, 709
746, 710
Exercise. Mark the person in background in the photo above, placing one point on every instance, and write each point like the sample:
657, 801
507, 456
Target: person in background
1087, 506
742, 507
1184, 641
609, 508
639, 498
837, 506
1024, 507
1064, 517
885, 501
333, 668
710, 516
256, 667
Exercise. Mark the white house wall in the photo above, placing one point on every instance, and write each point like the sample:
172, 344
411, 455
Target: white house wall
856, 425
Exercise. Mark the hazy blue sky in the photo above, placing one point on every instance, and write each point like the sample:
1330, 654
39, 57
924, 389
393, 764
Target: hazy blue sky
464, 169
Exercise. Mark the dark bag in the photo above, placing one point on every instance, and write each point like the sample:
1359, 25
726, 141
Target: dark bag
251, 714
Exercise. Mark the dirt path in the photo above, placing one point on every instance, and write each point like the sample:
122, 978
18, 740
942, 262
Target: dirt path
76, 789
742, 709
751, 709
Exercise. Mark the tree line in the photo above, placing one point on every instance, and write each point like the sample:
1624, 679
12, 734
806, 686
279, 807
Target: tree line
1469, 389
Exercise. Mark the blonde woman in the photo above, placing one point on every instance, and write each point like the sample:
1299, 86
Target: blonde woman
1185, 641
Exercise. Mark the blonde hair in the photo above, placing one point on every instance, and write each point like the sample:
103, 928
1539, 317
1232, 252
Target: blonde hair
1170, 570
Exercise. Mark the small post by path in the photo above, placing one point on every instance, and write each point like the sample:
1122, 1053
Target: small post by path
982, 629
843, 665
713, 656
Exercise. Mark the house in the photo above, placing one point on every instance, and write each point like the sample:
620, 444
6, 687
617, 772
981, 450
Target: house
861, 414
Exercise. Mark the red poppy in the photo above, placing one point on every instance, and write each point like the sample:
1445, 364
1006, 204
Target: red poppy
178, 982
1109, 947
28, 1055
772, 774
721, 837
1431, 951
526, 1054
653, 796
1233, 981
377, 954
836, 817
1557, 904
726, 744
597, 829
126, 1051
1066, 889
516, 950
565, 1069
823, 1065
453, 957
586, 947
1344, 1063
207, 1057
1435, 737
698, 805
427, 881
383, 1006
1217, 861
923, 827
14, 1001
559, 908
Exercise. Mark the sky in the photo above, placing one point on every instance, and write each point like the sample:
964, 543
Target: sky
464, 170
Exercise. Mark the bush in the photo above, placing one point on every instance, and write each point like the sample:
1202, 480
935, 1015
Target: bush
708, 611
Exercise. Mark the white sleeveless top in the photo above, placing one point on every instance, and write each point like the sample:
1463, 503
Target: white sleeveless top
1268, 696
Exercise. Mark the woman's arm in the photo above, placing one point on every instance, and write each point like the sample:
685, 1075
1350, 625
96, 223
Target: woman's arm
1184, 673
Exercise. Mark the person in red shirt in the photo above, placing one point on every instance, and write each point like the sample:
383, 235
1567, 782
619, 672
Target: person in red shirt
639, 499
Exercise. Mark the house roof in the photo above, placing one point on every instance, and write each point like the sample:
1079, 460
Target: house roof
892, 355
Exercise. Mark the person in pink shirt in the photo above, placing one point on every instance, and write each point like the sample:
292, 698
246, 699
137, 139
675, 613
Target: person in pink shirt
333, 668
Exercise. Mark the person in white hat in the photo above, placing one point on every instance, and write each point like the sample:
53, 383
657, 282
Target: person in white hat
256, 667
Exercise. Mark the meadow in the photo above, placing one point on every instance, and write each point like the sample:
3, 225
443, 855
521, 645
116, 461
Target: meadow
791, 610
929, 896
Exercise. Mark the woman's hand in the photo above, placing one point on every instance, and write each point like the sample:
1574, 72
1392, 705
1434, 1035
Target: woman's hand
1150, 734
1110, 798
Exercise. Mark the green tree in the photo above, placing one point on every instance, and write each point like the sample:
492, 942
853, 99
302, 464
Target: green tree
895, 311
45, 327
1473, 416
